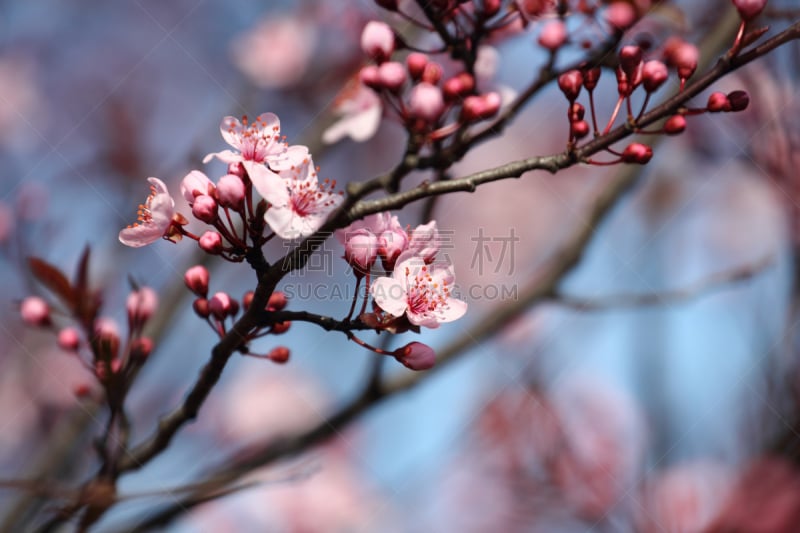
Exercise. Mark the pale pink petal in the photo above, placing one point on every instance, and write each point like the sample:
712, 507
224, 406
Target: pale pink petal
284, 222
226, 156
141, 235
453, 309
390, 295
423, 319
293, 156
269, 185
231, 130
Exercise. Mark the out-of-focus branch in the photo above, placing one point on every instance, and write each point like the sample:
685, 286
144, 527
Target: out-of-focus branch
715, 281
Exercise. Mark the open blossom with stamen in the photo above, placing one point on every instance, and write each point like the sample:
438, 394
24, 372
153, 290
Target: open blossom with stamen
420, 291
258, 141
299, 202
156, 218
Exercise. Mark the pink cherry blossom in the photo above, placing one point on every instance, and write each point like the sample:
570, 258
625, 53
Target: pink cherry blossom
424, 241
259, 141
155, 218
420, 291
360, 112
299, 203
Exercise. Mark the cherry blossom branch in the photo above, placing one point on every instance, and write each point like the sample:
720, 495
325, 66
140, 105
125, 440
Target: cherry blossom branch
554, 163
325, 322
566, 258
354, 208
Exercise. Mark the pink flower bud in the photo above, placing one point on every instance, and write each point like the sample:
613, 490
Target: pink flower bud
579, 129
391, 243
279, 328
637, 153
196, 279
570, 84
718, 102
654, 74
749, 9
247, 299
82, 391
106, 327
675, 125
277, 301
415, 63
480, 107
201, 308
142, 304
590, 78
211, 242
230, 191
630, 57
426, 102
377, 40
576, 112
204, 208
106, 339
369, 76
220, 305
360, 250
432, 73
682, 55
35, 311
553, 35
141, 348
491, 7
416, 356
279, 354
739, 100
460, 85
236, 169
194, 184
392, 75
620, 16
69, 339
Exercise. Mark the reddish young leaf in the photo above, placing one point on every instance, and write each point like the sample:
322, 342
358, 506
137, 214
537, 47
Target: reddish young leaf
52, 278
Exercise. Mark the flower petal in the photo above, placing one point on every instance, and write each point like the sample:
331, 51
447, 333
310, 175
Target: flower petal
140, 235
390, 295
269, 185
226, 156
284, 222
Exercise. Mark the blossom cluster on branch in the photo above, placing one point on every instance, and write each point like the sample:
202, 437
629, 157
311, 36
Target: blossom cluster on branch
441, 91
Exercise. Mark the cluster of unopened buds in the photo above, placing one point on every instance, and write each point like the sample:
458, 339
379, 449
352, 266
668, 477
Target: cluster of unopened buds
96, 340
417, 90
218, 308
635, 72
